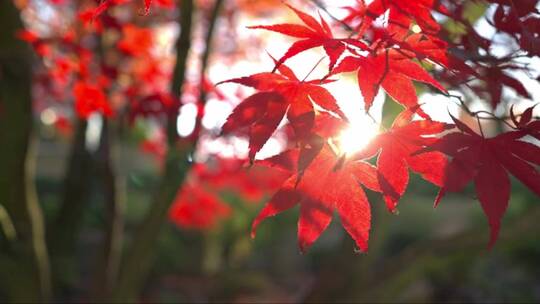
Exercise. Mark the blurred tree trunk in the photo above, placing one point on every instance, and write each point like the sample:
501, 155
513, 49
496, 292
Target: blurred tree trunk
63, 230
75, 191
24, 270
138, 259
113, 188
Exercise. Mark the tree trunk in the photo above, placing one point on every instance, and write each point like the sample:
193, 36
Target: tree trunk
64, 229
24, 269
113, 188
138, 259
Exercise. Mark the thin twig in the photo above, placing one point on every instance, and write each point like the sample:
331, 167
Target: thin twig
313, 68
323, 8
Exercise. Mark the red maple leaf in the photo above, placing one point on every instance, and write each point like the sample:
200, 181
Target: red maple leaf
153, 105
63, 125
421, 47
106, 4
487, 162
326, 126
526, 123
61, 69
495, 79
328, 184
229, 174
136, 41
168, 4
89, 98
280, 95
196, 208
27, 36
313, 34
39, 44
390, 70
397, 147
401, 14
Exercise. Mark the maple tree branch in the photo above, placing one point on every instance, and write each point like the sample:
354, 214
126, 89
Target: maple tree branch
480, 127
477, 114
204, 63
183, 46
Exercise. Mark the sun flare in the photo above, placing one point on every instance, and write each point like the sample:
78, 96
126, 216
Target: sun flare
356, 137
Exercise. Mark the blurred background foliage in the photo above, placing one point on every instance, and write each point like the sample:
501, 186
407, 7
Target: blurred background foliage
421, 254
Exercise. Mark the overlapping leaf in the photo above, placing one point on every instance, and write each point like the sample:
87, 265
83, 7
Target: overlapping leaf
312, 34
90, 98
526, 123
401, 14
487, 162
495, 79
327, 184
390, 70
195, 208
279, 94
397, 147
136, 41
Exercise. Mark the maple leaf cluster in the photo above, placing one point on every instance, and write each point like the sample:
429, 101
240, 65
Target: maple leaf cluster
398, 46
98, 81
322, 179
490, 72
109, 62
198, 204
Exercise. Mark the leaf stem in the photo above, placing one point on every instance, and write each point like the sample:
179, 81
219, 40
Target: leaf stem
313, 68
